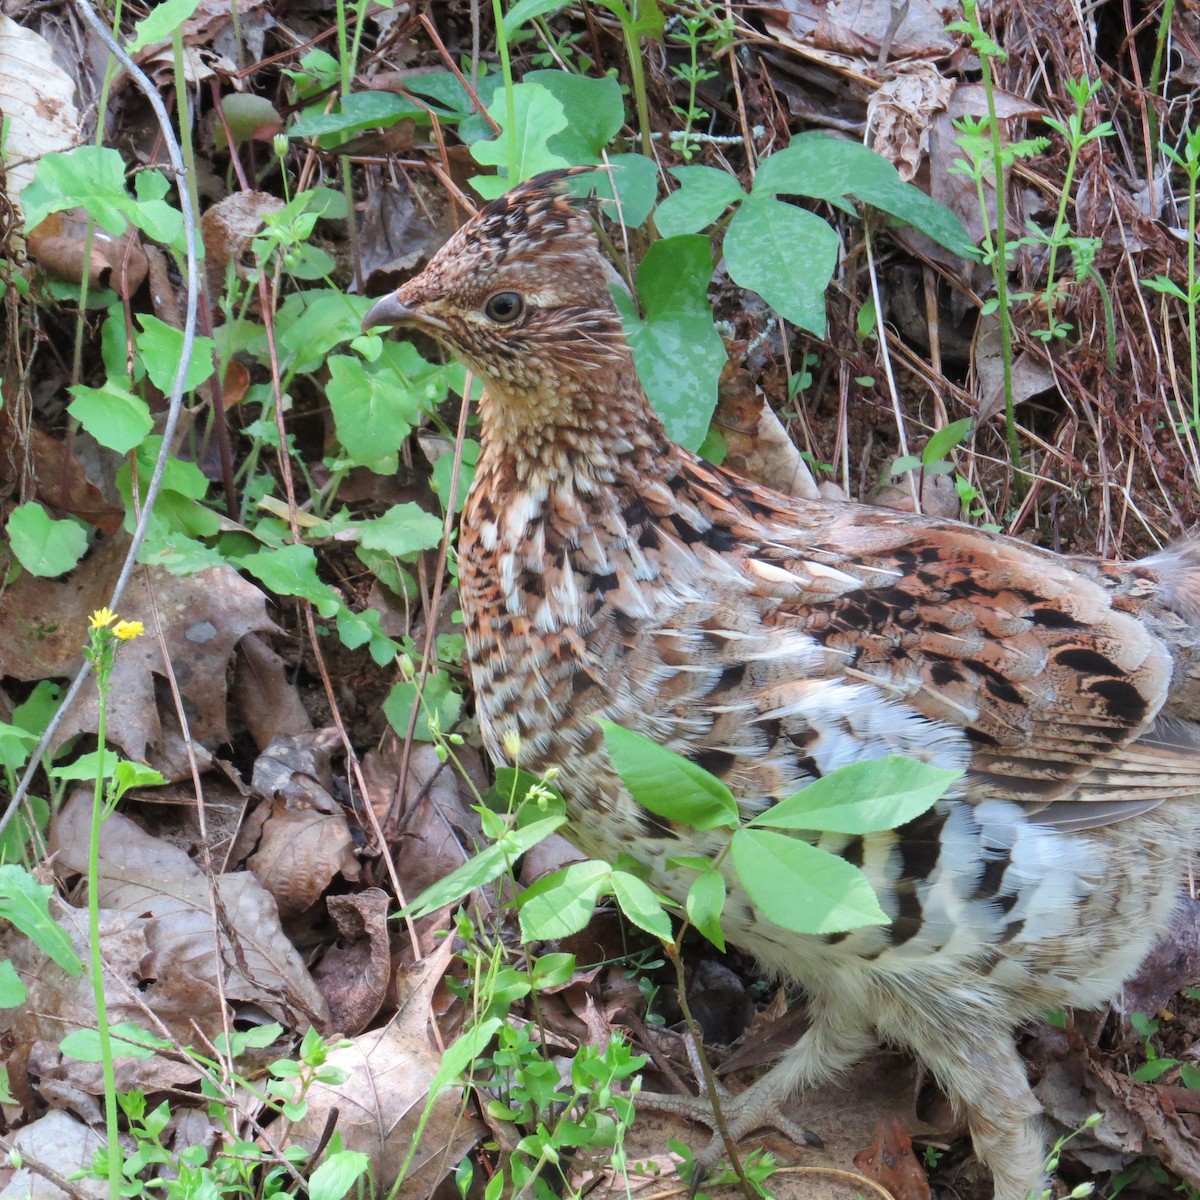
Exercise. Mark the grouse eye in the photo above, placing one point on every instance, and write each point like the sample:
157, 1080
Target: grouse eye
504, 307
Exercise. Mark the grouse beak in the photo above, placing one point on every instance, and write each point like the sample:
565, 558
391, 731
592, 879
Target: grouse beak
391, 312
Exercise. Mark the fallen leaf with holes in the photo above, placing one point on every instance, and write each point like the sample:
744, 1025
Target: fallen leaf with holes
890, 1160
300, 853
901, 110
384, 1097
297, 770
148, 877
354, 974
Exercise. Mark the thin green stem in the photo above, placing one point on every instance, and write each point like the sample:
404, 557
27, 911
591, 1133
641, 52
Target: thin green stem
1194, 169
103, 668
1000, 273
1160, 46
637, 76
510, 102
1060, 223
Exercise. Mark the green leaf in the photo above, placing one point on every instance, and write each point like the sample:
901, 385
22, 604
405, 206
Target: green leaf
633, 178
161, 348
706, 903
1189, 1076
292, 571
337, 1174
128, 1041
800, 887
1152, 1070
862, 797
44, 547
89, 177
359, 111
785, 254
490, 863
639, 903
592, 107
831, 169
945, 439
462, 1053
403, 531
26, 904
112, 414
552, 970
439, 697
364, 629
562, 903
704, 194
538, 117
12, 990
677, 349
164, 18
666, 783
314, 321
527, 10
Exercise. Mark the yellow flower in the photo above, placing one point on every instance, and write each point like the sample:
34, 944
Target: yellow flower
102, 618
128, 630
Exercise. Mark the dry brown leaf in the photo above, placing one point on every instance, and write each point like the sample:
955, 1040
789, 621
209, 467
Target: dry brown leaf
60, 1142
203, 617
901, 110
383, 1099
60, 241
759, 446
1031, 374
354, 974
37, 98
299, 854
890, 1160
144, 875
860, 28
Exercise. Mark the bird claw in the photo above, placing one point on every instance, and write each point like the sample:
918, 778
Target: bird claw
754, 1109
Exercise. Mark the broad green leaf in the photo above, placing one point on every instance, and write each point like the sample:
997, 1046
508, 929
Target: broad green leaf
363, 629
538, 116
25, 903
528, 10
12, 990
490, 863
292, 571
313, 322
161, 348
639, 903
128, 1041
128, 775
945, 439
359, 111
831, 169
439, 698
375, 405
785, 254
337, 1173
677, 349
552, 970
112, 414
666, 783
89, 177
562, 903
43, 546
704, 194
15, 746
706, 903
593, 109
403, 531
163, 19
863, 797
800, 887
87, 766
634, 180
459, 1056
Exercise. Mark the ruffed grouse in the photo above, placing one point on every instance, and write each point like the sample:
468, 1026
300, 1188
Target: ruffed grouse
607, 572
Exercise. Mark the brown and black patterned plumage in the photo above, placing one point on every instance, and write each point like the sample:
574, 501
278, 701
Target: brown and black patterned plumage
607, 572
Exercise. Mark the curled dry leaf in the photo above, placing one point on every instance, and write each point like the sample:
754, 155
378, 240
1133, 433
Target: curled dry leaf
264, 695
299, 854
65, 248
297, 770
157, 882
354, 974
228, 227
382, 1101
1031, 374
901, 110
759, 446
